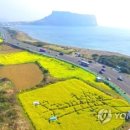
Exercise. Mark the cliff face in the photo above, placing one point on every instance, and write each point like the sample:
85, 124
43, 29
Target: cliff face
59, 18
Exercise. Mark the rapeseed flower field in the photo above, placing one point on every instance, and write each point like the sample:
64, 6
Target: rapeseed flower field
74, 102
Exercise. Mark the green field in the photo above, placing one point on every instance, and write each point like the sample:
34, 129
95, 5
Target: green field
76, 83
75, 104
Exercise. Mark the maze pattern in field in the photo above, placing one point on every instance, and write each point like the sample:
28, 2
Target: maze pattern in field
69, 100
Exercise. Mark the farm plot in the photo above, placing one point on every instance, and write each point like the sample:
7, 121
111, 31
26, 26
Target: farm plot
74, 104
54, 98
56, 68
23, 76
8, 49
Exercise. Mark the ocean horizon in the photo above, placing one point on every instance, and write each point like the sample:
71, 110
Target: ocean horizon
96, 38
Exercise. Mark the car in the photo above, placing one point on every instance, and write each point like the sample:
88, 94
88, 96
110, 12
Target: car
103, 66
90, 61
42, 50
61, 53
101, 72
118, 68
103, 69
120, 78
108, 78
84, 63
78, 54
99, 79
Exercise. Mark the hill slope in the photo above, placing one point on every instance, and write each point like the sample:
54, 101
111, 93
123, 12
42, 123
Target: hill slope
59, 18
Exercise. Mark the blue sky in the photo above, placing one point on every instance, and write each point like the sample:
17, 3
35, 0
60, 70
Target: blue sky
113, 13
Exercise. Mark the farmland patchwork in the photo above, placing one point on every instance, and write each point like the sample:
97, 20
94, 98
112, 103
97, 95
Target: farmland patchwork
71, 104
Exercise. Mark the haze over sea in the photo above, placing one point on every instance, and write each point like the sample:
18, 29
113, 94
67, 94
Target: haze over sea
98, 38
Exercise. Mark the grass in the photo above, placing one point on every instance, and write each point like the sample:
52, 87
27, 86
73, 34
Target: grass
1, 40
66, 50
11, 116
8, 115
76, 105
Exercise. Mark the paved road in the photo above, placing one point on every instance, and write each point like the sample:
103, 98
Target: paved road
95, 67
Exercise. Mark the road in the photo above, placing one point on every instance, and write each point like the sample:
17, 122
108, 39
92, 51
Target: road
95, 67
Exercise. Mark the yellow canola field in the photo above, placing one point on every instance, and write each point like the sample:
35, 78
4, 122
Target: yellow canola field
57, 69
56, 97
74, 103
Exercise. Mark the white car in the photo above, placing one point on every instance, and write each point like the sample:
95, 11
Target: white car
120, 78
109, 79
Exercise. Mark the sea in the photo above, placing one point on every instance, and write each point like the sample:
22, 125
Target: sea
96, 38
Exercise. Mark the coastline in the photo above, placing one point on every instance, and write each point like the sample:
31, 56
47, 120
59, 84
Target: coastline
87, 53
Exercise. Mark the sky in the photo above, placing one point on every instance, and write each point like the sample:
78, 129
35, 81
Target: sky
113, 13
